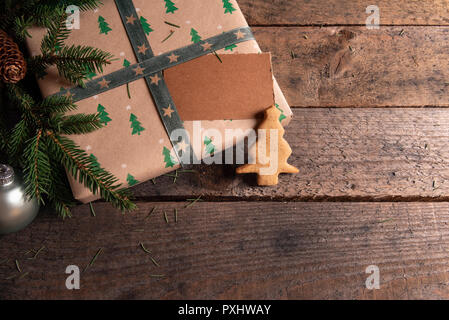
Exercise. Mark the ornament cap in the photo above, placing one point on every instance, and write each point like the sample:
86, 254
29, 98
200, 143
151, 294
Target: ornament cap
6, 174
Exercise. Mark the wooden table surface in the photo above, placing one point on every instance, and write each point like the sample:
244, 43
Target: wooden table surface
370, 135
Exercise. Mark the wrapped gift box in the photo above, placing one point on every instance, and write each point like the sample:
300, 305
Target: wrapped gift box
134, 145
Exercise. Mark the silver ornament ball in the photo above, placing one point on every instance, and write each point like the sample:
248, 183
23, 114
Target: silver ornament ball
16, 211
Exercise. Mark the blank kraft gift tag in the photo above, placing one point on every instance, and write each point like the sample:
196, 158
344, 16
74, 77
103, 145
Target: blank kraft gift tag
239, 87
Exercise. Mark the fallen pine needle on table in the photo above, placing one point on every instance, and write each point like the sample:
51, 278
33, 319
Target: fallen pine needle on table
94, 259
193, 201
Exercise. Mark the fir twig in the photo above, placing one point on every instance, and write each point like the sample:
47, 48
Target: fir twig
87, 172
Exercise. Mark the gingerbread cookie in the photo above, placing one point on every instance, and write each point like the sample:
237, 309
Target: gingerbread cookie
268, 164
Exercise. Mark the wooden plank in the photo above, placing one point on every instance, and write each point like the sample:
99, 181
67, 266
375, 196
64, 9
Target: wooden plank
379, 154
250, 250
344, 12
356, 67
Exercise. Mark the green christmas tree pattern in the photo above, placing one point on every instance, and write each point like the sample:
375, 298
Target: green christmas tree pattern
229, 8
195, 37
135, 125
282, 116
231, 47
94, 160
104, 26
168, 159
104, 116
131, 180
170, 6
126, 63
210, 148
145, 25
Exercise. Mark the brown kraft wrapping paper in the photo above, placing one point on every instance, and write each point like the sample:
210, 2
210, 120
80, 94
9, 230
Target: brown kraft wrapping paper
134, 145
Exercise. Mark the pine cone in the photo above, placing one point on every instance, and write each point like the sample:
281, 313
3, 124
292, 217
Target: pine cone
12, 64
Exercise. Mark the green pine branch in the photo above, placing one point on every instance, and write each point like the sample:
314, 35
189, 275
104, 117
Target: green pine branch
57, 33
59, 192
21, 26
36, 142
80, 124
19, 135
86, 171
84, 5
38, 168
56, 104
38, 12
72, 62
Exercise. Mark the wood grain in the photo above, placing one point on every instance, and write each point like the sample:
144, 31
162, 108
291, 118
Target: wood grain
356, 67
344, 12
357, 154
251, 250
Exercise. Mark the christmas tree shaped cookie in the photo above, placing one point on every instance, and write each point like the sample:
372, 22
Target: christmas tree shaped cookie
271, 121
103, 25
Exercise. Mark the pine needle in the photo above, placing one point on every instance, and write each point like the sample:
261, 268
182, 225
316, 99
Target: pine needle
127, 90
151, 213
176, 177
218, 57
172, 24
11, 277
23, 275
292, 54
144, 249
176, 215
168, 37
92, 211
149, 252
165, 216
157, 275
36, 253
94, 259
154, 262
18, 266
193, 201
